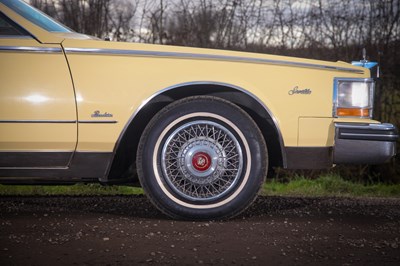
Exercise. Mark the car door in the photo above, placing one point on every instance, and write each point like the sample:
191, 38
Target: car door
38, 127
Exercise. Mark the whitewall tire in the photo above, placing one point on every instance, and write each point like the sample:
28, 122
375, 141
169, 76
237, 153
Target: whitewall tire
202, 158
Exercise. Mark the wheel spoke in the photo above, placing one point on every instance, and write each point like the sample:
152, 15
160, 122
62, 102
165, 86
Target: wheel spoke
202, 160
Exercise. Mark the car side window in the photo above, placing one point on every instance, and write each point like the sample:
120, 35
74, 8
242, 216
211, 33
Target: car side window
9, 28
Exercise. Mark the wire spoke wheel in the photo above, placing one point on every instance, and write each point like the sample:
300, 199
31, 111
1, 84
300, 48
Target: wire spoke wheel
202, 157
202, 160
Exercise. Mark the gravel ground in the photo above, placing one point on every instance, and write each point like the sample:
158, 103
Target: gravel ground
127, 230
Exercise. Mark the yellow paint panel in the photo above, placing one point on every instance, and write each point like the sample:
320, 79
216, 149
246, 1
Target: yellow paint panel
97, 137
36, 87
36, 137
314, 132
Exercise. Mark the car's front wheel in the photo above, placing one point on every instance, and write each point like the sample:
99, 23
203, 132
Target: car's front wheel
202, 158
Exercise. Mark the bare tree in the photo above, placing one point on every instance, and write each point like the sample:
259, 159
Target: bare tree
121, 19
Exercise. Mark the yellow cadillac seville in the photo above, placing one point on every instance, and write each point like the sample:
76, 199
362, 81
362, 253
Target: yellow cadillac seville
199, 127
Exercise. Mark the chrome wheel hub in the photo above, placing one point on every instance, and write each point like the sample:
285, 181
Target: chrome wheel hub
201, 160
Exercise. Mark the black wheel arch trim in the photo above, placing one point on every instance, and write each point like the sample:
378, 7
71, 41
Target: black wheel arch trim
178, 91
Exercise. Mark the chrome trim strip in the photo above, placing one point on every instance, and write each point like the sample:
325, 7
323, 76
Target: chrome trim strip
394, 137
39, 121
38, 151
58, 121
27, 49
35, 168
372, 132
383, 126
92, 151
97, 122
145, 102
16, 37
207, 57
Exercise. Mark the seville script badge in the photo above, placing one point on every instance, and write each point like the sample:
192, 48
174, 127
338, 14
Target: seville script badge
296, 90
97, 113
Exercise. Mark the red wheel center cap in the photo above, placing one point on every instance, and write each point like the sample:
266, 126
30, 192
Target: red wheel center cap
201, 161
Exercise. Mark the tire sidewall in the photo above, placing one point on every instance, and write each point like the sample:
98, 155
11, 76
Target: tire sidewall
202, 108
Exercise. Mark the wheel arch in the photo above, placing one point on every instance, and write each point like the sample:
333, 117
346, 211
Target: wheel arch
122, 167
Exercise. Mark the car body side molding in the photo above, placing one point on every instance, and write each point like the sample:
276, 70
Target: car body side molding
182, 55
28, 49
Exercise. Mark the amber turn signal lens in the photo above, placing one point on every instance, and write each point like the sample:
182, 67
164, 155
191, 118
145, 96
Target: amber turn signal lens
360, 112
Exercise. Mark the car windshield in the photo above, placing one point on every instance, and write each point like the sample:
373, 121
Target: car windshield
35, 16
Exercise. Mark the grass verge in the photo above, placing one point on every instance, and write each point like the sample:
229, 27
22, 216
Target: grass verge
77, 189
330, 185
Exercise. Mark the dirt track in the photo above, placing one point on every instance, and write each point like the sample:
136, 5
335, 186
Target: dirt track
129, 231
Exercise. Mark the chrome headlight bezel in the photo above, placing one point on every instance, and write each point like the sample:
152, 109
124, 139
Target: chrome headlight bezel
346, 102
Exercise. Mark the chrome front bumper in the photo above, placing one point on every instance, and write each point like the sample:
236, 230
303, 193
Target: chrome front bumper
364, 143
